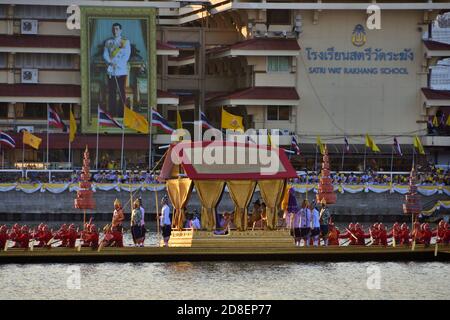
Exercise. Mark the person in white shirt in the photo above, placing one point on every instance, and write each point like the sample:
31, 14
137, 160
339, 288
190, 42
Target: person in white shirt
116, 54
296, 226
165, 221
305, 222
142, 222
196, 223
315, 224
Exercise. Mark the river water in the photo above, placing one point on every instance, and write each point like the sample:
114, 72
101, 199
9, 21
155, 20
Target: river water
226, 280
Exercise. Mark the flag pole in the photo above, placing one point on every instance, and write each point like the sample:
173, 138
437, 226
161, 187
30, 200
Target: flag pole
70, 142
343, 156
121, 153
392, 161
290, 148
23, 152
315, 161
365, 153
70, 147
48, 128
96, 148
150, 144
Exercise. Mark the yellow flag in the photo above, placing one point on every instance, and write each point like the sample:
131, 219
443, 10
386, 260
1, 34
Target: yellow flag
231, 121
447, 123
73, 127
269, 140
179, 122
371, 144
134, 120
435, 122
321, 145
31, 140
418, 145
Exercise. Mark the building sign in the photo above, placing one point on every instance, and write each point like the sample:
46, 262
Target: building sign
380, 60
373, 55
118, 58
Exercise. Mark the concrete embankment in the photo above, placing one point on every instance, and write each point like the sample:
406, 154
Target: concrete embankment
45, 206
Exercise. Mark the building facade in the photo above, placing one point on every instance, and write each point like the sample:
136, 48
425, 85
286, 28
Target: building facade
309, 69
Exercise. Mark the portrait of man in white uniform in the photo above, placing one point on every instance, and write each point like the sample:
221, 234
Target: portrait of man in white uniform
116, 54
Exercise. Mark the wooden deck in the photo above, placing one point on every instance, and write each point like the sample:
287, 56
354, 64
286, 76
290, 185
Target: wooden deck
160, 254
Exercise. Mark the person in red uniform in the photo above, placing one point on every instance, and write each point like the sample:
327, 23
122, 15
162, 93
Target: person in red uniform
61, 234
24, 239
3, 237
333, 235
404, 234
395, 233
382, 235
91, 237
446, 239
426, 235
375, 231
416, 233
44, 236
439, 232
359, 233
112, 238
71, 236
350, 234
14, 233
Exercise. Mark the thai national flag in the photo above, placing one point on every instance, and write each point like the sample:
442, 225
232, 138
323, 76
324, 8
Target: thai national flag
205, 122
159, 121
397, 147
54, 119
7, 140
295, 145
105, 120
347, 146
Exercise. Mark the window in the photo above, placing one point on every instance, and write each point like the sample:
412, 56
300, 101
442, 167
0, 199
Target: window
3, 10
278, 17
278, 113
3, 110
40, 12
44, 61
3, 59
439, 77
278, 64
35, 111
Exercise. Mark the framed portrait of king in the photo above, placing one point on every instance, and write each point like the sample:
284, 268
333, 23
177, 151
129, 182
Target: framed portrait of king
118, 64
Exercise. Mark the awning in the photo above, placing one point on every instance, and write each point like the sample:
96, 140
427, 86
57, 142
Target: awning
164, 97
258, 47
188, 102
436, 49
436, 97
58, 93
265, 96
193, 156
39, 44
44, 93
164, 49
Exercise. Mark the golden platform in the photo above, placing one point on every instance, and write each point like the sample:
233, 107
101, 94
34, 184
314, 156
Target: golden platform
234, 239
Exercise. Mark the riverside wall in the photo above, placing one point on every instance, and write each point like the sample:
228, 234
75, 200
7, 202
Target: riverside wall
45, 206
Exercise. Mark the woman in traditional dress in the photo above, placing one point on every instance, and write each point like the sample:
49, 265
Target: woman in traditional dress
136, 217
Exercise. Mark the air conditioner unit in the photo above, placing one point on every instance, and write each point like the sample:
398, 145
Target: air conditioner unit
27, 128
29, 75
29, 26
